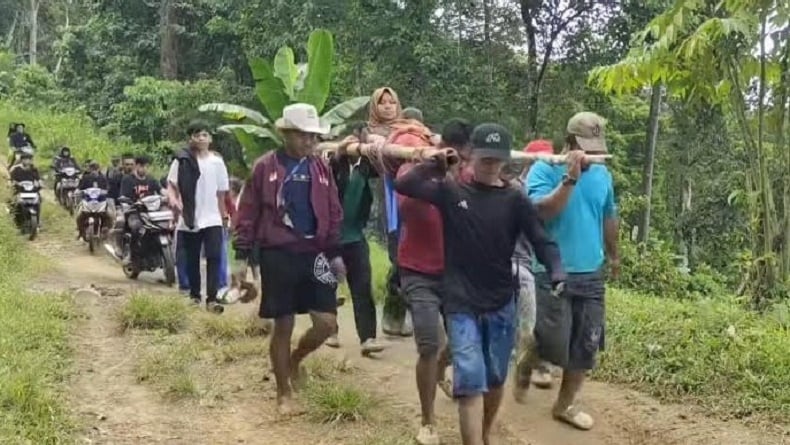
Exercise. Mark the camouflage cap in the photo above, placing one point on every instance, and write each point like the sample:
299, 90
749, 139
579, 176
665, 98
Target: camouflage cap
589, 131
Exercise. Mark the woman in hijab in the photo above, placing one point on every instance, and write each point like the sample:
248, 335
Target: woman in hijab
384, 110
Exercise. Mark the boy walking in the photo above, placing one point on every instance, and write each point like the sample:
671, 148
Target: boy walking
482, 221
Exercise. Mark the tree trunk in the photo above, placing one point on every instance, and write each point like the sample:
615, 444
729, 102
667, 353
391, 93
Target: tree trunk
532, 70
65, 30
33, 50
168, 48
650, 157
487, 38
783, 142
9, 38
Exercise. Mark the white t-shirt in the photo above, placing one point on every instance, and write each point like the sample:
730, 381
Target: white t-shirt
213, 179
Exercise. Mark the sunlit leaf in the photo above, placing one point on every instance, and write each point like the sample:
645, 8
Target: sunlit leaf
345, 110
235, 112
254, 130
285, 69
269, 89
320, 58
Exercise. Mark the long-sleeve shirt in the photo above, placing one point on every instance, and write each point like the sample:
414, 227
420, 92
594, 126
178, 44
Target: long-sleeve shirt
481, 225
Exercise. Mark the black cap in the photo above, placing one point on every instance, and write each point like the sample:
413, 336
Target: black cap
491, 141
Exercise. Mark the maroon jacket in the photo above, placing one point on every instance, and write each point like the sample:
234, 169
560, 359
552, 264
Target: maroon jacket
260, 223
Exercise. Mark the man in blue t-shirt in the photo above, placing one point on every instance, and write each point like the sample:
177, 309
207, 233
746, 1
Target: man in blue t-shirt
576, 201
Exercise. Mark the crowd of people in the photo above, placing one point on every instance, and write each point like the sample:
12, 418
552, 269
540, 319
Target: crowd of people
487, 255
491, 259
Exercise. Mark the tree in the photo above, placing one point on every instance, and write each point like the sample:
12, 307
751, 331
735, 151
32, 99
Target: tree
709, 52
283, 82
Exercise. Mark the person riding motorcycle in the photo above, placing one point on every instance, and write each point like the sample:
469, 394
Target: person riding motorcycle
93, 179
18, 139
116, 174
24, 171
134, 187
63, 160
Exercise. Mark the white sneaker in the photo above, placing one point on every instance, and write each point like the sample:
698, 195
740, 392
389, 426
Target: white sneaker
332, 342
371, 346
428, 435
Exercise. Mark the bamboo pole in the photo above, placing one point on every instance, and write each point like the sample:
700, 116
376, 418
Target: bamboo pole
426, 152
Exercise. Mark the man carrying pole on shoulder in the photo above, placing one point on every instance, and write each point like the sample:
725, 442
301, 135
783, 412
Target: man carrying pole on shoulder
481, 222
577, 202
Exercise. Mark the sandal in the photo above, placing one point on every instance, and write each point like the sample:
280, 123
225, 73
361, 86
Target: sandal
446, 386
574, 417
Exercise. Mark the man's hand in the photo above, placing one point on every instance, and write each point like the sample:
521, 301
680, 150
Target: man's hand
614, 267
342, 148
574, 161
558, 289
338, 268
444, 157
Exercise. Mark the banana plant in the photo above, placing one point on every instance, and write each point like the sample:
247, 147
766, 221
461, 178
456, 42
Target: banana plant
281, 83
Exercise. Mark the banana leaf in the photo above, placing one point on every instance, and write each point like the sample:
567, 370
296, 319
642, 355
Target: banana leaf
235, 112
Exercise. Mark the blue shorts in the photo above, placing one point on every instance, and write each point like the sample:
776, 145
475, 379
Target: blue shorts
481, 346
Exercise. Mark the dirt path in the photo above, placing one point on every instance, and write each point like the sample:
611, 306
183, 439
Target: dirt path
114, 408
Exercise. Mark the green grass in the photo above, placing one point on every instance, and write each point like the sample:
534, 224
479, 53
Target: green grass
168, 368
34, 349
332, 399
731, 361
51, 130
143, 311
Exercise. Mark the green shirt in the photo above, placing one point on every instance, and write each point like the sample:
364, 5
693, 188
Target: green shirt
357, 199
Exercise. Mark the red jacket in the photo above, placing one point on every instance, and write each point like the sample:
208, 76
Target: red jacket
260, 221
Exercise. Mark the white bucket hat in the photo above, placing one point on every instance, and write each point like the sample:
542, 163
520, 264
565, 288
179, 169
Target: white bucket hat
301, 117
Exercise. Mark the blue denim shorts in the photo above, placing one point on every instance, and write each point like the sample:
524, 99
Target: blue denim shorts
481, 346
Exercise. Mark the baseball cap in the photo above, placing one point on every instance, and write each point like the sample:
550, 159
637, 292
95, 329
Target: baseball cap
301, 117
589, 131
491, 141
540, 146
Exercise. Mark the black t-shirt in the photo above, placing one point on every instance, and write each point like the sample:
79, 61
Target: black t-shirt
19, 174
135, 188
93, 180
481, 226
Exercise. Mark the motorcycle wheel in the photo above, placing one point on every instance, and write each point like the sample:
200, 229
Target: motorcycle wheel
70, 205
169, 265
131, 272
93, 240
33, 227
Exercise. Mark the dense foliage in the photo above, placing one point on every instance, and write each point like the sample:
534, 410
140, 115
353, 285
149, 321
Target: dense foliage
702, 157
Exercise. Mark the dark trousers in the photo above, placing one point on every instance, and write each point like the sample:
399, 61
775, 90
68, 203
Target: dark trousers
210, 239
356, 256
394, 304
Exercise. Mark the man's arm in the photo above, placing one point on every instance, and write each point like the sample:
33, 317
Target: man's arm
249, 212
545, 249
549, 194
335, 217
611, 230
173, 194
223, 185
424, 181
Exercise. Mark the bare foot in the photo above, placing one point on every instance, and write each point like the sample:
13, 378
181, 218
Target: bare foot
287, 407
520, 393
298, 377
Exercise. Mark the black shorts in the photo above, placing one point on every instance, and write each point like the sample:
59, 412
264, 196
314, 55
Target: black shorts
295, 283
569, 329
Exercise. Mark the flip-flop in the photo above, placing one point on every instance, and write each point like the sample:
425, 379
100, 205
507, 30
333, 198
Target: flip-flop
446, 386
575, 417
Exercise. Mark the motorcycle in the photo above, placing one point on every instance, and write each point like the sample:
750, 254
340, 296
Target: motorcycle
93, 206
27, 204
69, 181
152, 246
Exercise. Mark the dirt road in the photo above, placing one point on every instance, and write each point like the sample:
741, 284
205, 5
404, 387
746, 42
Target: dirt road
113, 408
